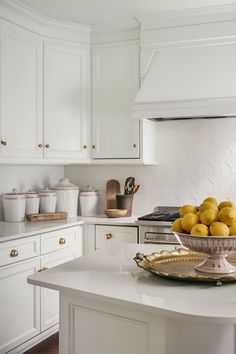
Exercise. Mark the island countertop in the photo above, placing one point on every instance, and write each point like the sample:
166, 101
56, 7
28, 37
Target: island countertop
112, 275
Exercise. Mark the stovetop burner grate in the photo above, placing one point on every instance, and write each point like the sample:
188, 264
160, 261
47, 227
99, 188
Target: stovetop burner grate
160, 216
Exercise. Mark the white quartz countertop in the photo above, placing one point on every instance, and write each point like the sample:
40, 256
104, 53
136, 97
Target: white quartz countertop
14, 230
104, 220
111, 275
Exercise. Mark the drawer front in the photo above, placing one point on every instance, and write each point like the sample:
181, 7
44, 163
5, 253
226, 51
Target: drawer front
18, 250
106, 235
56, 240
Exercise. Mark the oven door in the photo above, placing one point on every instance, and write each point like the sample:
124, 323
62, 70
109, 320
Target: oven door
160, 238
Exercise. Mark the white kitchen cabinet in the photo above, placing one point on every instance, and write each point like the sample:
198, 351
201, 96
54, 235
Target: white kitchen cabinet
66, 100
115, 82
106, 235
20, 93
31, 313
19, 304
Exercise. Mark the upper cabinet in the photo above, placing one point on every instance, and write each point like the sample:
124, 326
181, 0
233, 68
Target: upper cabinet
66, 100
115, 82
20, 93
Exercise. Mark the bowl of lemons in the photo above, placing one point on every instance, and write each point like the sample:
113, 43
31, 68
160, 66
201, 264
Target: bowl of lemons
209, 229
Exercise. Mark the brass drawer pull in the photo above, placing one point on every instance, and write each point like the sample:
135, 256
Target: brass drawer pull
62, 241
40, 145
108, 236
42, 269
47, 146
84, 146
93, 146
14, 253
134, 146
3, 142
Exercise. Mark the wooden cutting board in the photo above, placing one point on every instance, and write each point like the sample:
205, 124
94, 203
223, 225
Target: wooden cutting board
47, 216
113, 188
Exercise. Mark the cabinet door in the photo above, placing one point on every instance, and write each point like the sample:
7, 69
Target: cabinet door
50, 298
107, 235
21, 93
66, 100
115, 84
19, 304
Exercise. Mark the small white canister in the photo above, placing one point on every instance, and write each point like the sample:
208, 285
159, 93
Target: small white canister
32, 202
67, 197
14, 206
88, 201
48, 199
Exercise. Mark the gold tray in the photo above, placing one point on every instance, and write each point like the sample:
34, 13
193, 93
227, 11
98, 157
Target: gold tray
179, 264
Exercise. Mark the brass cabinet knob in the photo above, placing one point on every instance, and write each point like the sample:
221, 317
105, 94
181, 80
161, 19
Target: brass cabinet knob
42, 269
40, 145
84, 146
62, 241
108, 236
14, 253
93, 146
47, 146
134, 146
3, 142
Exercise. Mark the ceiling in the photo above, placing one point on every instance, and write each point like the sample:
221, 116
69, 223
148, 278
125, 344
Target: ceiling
98, 12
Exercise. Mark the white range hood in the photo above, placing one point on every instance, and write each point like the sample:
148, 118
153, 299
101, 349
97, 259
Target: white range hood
192, 81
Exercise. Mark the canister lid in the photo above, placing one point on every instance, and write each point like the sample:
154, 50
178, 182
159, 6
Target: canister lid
89, 191
31, 194
64, 183
47, 193
14, 194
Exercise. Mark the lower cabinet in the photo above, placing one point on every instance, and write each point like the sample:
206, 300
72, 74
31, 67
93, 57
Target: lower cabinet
19, 304
106, 235
25, 310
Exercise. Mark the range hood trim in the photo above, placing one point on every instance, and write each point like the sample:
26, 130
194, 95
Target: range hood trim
186, 109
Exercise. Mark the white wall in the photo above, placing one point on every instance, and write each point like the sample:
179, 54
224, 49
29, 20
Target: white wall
25, 177
197, 158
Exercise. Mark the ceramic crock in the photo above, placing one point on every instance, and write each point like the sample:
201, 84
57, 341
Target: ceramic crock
48, 199
88, 199
32, 202
14, 206
67, 197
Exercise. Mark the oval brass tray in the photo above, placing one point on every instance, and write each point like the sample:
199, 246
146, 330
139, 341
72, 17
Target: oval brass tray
179, 264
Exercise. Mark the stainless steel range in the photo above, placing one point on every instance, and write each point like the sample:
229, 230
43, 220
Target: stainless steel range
156, 227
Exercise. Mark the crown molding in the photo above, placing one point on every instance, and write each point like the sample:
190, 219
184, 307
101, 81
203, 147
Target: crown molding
188, 17
24, 16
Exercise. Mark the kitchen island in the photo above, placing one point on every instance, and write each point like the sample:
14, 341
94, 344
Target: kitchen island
110, 306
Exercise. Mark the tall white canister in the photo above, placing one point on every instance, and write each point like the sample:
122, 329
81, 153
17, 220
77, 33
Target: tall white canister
14, 206
67, 197
88, 202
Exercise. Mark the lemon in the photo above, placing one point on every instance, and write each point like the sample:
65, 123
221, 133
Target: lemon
198, 213
219, 229
208, 216
200, 230
177, 225
232, 229
188, 221
211, 200
227, 215
208, 205
225, 204
185, 209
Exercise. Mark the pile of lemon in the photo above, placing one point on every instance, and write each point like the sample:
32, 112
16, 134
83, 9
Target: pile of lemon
211, 219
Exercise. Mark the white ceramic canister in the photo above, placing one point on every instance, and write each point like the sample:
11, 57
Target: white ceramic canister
67, 197
48, 199
88, 202
32, 202
14, 206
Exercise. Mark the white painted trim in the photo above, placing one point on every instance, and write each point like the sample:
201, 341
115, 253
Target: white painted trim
180, 18
17, 13
214, 107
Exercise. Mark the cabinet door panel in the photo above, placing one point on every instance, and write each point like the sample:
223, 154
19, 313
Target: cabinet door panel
65, 100
115, 84
19, 305
50, 298
21, 92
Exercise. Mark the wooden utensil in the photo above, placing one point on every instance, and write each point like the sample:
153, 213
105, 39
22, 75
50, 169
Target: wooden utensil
129, 184
112, 188
47, 216
135, 188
